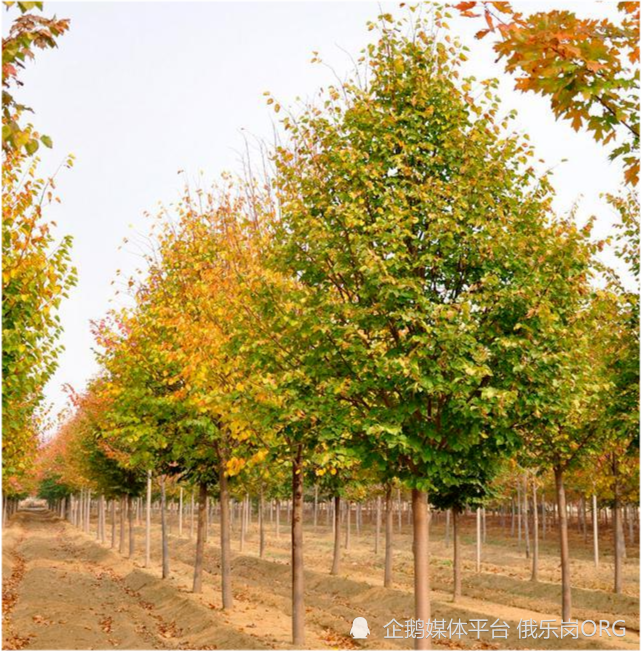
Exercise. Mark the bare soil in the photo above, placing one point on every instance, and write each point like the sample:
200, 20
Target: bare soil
64, 590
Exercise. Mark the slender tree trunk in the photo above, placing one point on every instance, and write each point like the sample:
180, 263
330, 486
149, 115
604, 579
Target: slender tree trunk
400, 510
132, 537
298, 577
421, 563
225, 539
104, 519
513, 519
348, 532
377, 538
113, 523
191, 516
243, 524
447, 527
617, 531
123, 508
543, 515
315, 506
200, 537
180, 513
277, 519
100, 534
566, 589
261, 524
478, 539
163, 527
457, 554
336, 562
518, 507
526, 517
389, 538
148, 522
595, 530
207, 519
535, 546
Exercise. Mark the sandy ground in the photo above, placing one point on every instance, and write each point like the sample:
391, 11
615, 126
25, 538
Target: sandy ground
64, 590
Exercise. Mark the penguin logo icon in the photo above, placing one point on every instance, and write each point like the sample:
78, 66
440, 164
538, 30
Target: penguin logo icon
360, 629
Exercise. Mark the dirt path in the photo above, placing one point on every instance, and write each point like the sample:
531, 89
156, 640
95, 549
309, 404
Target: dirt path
68, 594
63, 590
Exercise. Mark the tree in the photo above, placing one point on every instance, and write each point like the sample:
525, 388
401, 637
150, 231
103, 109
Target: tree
569, 384
418, 232
588, 68
624, 363
37, 272
36, 276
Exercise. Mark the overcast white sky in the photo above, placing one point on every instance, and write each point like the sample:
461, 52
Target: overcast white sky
139, 91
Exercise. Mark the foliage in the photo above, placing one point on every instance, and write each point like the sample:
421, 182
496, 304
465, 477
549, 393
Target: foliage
36, 276
588, 68
28, 32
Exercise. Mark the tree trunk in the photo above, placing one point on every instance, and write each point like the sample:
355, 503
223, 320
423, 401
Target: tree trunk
225, 539
200, 537
457, 554
595, 531
389, 538
123, 508
277, 519
148, 523
421, 563
315, 506
566, 589
298, 577
617, 531
113, 523
535, 537
478, 539
132, 537
348, 532
243, 523
163, 527
191, 516
261, 524
336, 562
180, 513
377, 537
518, 508
447, 527
100, 534
526, 517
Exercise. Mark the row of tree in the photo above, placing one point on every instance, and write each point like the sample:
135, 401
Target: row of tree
391, 301
36, 270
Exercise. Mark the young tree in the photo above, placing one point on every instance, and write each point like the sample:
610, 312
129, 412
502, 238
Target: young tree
36, 276
419, 235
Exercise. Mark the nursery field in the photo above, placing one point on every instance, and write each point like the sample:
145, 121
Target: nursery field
373, 381
64, 590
